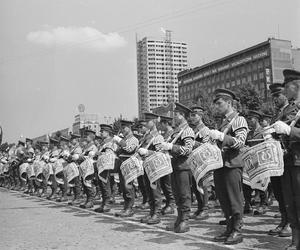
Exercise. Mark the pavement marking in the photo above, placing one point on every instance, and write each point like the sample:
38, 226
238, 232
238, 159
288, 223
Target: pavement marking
190, 237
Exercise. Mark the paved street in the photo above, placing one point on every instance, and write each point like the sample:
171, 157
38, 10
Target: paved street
34, 223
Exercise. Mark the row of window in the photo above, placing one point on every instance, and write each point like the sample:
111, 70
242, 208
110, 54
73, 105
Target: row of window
260, 86
168, 50
257, 65
249, 78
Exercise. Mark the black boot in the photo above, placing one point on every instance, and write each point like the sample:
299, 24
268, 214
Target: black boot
104, 208
172, 226
146, 218
62, 199
200, 214
286, 231
229, 227
154, 219
283, 223
183, 225
236, 236
168, 209
89, 198
295, 240
127, 213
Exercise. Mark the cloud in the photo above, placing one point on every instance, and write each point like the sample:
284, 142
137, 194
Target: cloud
77, 37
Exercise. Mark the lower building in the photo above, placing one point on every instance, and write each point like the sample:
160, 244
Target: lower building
259, 65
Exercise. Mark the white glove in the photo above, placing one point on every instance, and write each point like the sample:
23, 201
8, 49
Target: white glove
91, 154
143, 151
4, 161
282, 128
52, 160
117, 138
216, 135
268, 133
46, 157
166, 146
75, 157
66, 153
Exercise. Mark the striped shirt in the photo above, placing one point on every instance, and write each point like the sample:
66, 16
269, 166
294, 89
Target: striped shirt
237, 134
108, 144
184, 145
129, 143
201, 134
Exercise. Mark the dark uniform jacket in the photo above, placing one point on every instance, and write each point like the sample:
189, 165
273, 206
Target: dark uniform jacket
293, 140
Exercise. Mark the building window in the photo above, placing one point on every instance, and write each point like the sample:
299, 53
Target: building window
249, 78
261, 75
255, 77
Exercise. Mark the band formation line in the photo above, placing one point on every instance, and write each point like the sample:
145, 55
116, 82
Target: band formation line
169, 160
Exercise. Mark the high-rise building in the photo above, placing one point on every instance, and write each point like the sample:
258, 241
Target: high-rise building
259, 66
158, 63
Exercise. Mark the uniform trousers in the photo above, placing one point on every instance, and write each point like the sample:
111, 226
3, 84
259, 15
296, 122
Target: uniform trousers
228, 185
291, 192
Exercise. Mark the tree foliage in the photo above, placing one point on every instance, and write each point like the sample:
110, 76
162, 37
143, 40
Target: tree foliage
249, 98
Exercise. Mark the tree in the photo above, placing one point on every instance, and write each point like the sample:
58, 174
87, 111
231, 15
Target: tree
249, 98
204, 100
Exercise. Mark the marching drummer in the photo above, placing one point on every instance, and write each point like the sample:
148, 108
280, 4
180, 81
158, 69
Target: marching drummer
165, 181
140, 133
201, 136
149, 145
183, 137
291, 175
127, 147
65, 151
53, 155
75, 152
254, 137
89, 152
232, 136
107, 146
283, 110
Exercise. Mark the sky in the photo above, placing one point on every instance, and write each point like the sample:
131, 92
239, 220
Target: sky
57, 54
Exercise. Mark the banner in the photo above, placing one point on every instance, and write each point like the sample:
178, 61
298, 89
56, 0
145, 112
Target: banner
86, 170
260, 185
106, 161
205, 158
131, 169
1, 168
47, 171
263, 161
157, 165
58, 168
208, 179
71, 171
23, 171
30, 171
38, 167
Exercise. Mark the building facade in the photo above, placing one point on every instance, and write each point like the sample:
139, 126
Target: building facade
83, 120
259, 65
158, 63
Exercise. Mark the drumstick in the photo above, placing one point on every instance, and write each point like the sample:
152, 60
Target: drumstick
230, 124
296, 118
256, 140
